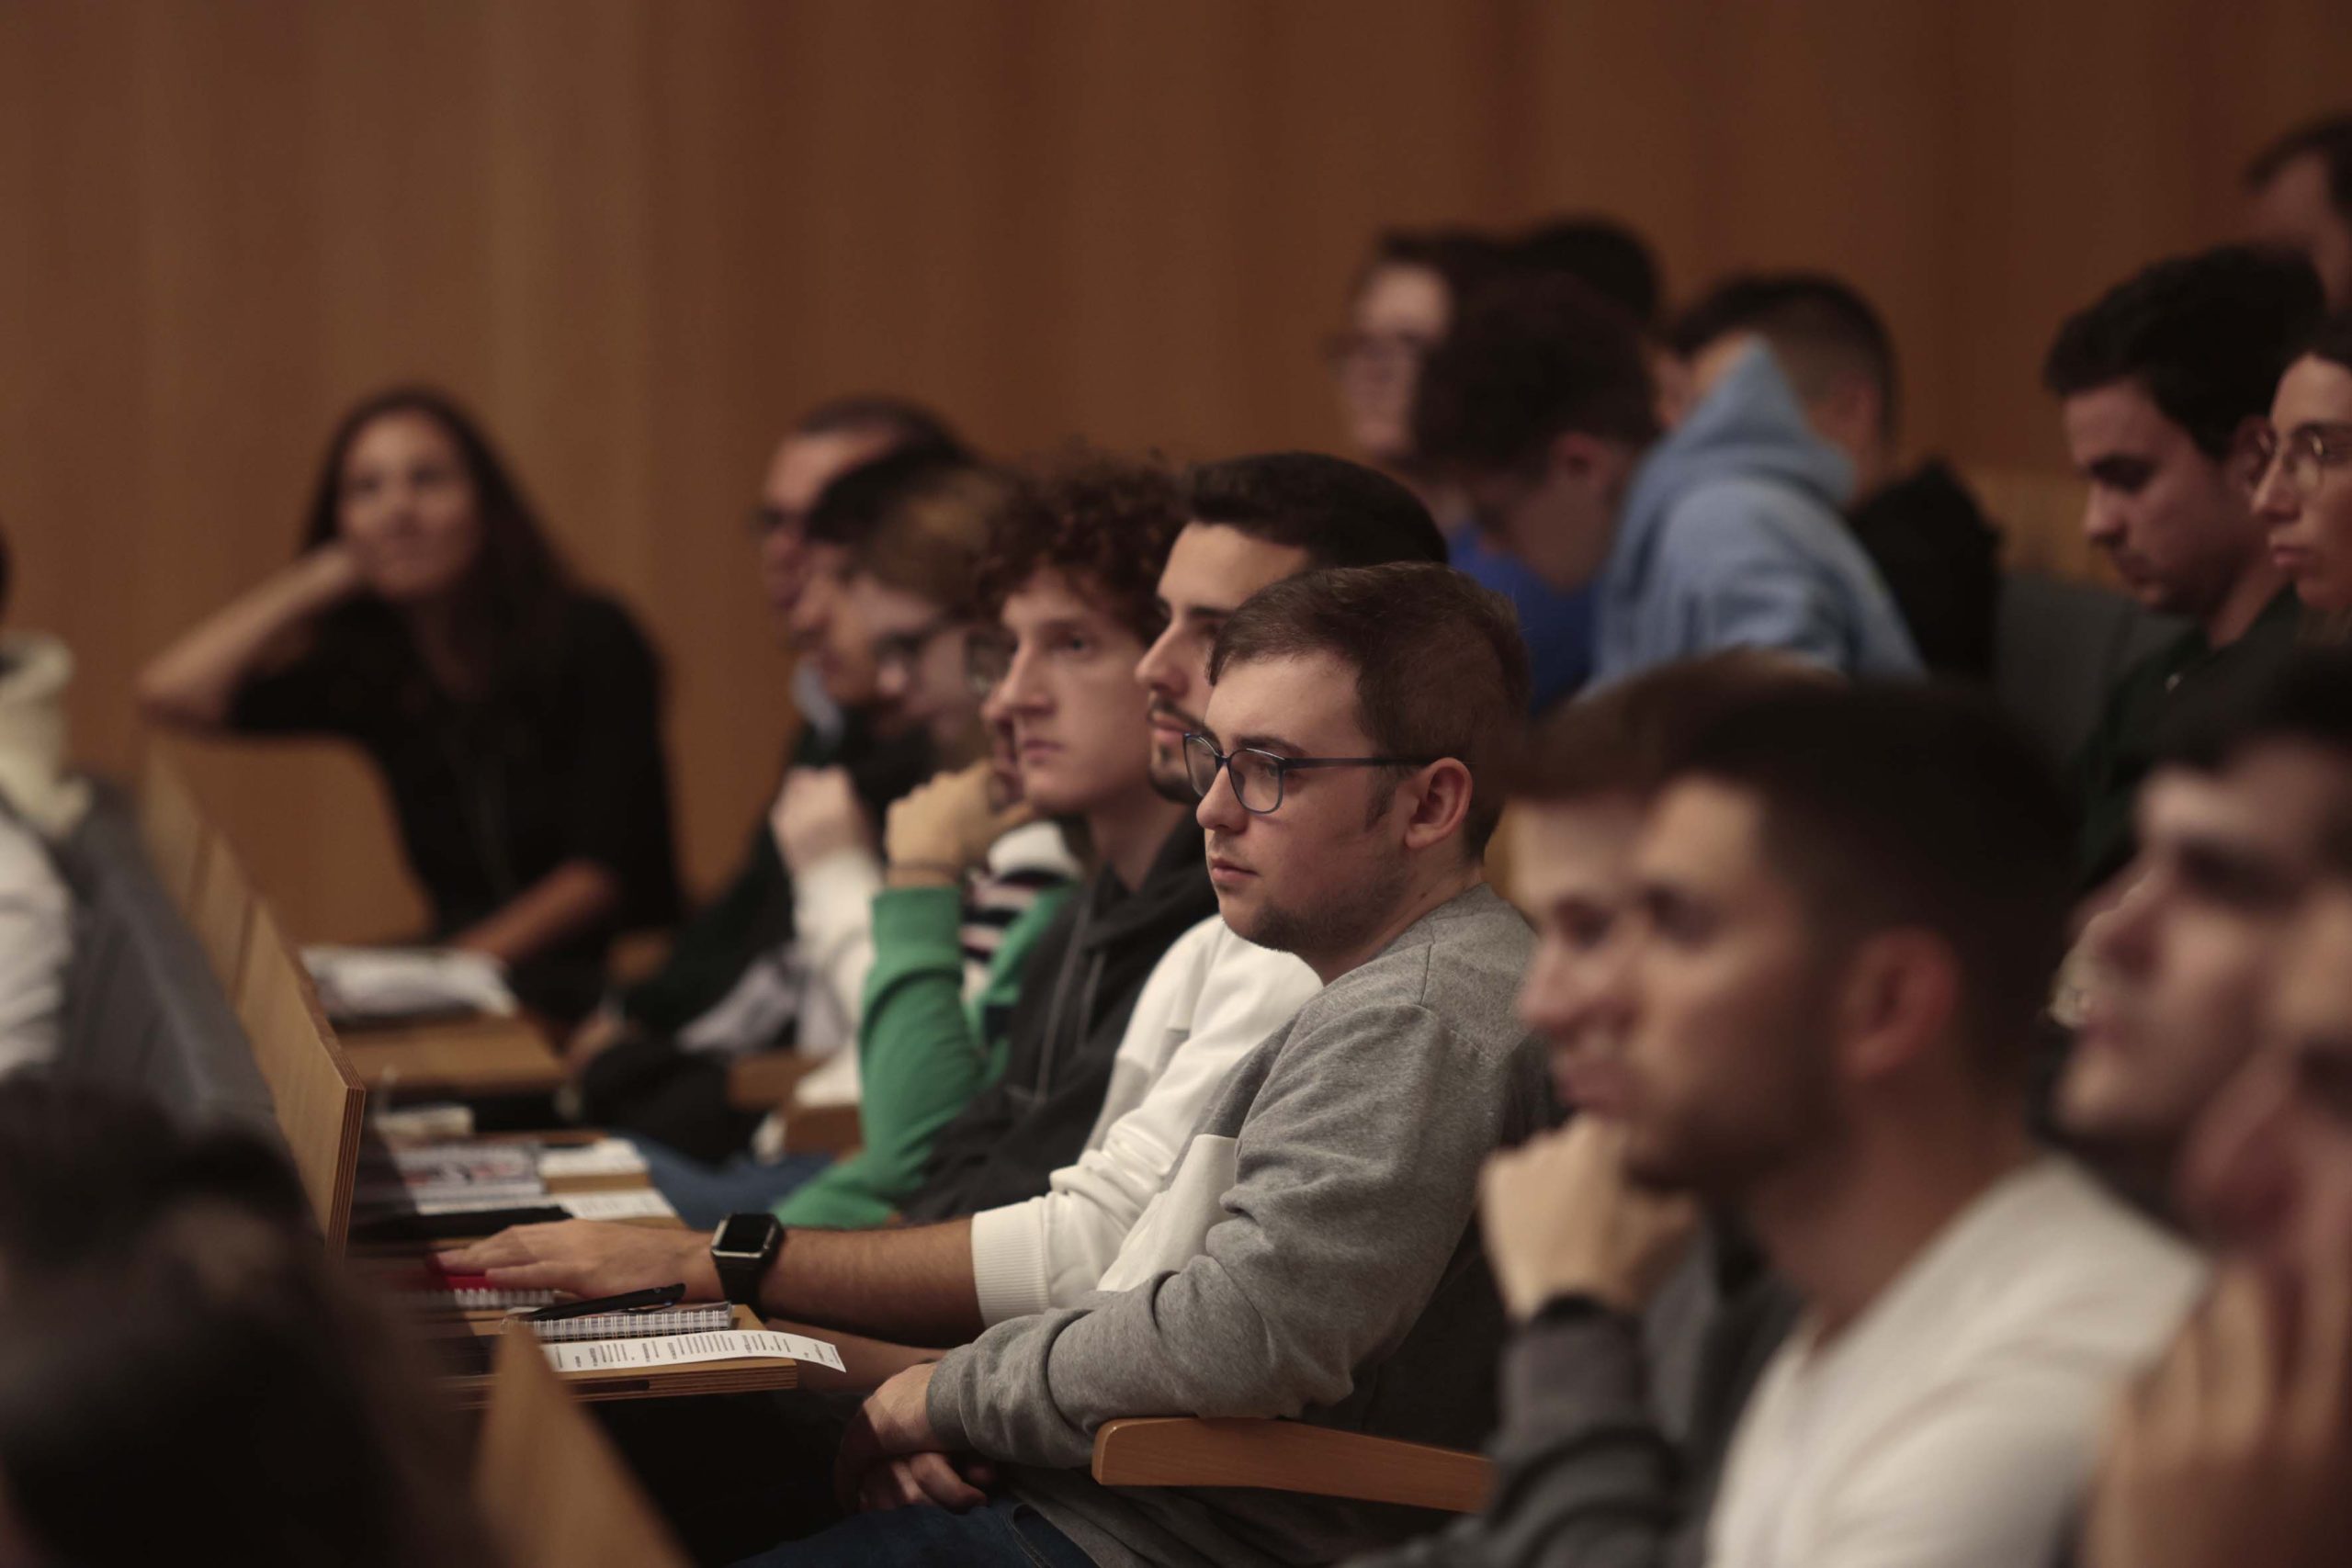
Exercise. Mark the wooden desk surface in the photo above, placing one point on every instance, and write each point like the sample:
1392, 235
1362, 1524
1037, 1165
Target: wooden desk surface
483, 1055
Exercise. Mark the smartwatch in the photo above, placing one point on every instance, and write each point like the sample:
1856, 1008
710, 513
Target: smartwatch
741, 1249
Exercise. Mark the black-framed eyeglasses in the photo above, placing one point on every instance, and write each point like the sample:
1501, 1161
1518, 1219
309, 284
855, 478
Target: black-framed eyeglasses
1258, 775
2307, 453
988, 658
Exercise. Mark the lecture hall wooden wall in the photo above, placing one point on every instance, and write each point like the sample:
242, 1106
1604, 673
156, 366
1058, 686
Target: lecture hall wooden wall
638, 234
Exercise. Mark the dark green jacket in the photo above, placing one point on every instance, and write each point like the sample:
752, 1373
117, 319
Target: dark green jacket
2119, 752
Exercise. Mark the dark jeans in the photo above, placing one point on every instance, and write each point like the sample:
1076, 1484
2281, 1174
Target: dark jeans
706, 1194
1002, 1533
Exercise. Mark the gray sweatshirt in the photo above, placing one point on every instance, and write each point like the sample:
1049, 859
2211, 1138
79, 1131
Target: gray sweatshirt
1336, 1278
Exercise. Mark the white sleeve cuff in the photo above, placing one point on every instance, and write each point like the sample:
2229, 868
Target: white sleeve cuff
1009, 1261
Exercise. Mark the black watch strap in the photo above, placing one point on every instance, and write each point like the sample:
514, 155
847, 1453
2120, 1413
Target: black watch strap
741, 1270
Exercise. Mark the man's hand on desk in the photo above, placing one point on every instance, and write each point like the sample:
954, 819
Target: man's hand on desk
588, 1258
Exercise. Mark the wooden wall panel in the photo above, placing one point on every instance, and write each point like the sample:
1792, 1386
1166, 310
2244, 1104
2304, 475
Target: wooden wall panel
637, 235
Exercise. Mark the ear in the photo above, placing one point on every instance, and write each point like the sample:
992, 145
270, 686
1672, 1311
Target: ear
1587, 461
1900, 994
1437, 802
2249, 452
1851, 413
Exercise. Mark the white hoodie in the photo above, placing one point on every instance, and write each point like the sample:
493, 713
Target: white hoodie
34, 672
37, 801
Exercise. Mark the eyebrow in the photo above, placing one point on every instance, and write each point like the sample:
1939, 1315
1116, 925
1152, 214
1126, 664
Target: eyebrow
1261, 743
2234, 869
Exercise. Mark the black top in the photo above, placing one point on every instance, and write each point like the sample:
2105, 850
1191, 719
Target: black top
493, 793
1077, 990
1941, 562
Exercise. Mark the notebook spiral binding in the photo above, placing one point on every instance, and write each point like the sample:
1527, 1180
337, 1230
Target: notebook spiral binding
708, 1319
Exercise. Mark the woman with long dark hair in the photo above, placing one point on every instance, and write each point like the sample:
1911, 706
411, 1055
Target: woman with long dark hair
515, 716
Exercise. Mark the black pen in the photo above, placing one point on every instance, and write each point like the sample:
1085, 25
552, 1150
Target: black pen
659, 1296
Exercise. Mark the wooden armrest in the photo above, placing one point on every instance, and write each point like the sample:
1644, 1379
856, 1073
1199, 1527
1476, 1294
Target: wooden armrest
766, 1080
1289, 1456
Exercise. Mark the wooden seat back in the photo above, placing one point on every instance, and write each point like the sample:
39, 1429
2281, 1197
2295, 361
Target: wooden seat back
223, 909
320, 1101
170, 824
554, 1492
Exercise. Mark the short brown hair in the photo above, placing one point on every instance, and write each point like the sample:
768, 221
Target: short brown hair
929, 542
1629, 738
1528, 360
1441, 670
1104, 522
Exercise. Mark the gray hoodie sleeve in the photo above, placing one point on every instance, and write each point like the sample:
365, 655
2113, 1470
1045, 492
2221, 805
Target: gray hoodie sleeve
1585, 1477
1356, 1177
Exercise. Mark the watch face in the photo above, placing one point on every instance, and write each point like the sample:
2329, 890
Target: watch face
745, 1236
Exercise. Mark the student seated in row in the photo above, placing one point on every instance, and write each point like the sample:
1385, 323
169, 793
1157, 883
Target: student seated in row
891, 591
1724, 532
717, 959
1801, 997
2163, 383
516, 715
914, 529
1922, 529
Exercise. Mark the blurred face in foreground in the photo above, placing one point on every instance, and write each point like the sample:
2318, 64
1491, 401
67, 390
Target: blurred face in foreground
1578, 883
2270, 1171
2183, 962
1712, 1038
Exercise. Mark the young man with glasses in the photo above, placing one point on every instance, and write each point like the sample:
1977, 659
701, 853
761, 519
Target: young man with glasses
1311, 1255
2305, 500
2164, 384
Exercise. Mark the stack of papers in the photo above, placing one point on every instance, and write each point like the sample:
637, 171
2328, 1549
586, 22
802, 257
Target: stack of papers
363, 985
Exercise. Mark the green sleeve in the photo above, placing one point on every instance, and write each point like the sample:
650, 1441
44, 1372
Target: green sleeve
923, 1053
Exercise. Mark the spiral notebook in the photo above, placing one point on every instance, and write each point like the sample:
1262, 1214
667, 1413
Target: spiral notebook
643, 1323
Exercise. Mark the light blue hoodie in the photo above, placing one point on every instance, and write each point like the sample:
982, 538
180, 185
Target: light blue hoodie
1730, 537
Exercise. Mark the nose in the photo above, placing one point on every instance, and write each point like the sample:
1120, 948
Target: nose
2275, 498
1550, 1002
809, 619
1020, 692
1158, 671
2102, 519
2121, 937
1612, 985
1220, 809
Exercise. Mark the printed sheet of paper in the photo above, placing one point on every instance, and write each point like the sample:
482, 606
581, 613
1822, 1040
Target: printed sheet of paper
634, 1205
677, 1350
606, 1157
